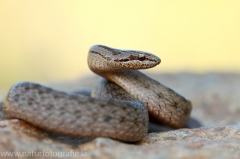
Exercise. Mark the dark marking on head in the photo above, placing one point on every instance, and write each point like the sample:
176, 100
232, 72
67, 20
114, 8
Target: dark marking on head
95, 52
113, 51
107, 58
139, 57
135, 55
131, 57
122, 60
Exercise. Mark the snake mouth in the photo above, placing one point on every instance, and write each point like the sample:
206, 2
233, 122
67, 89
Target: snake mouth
128, 60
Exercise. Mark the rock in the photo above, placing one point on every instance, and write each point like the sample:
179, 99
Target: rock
231, 133
19, 136
204, 143
216, 105
207, 143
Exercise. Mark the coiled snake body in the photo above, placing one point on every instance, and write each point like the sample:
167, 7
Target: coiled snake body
119, 108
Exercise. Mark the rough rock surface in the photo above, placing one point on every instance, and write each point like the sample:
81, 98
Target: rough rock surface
214, 143
216, 105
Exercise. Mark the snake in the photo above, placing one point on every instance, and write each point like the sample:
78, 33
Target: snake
119, 108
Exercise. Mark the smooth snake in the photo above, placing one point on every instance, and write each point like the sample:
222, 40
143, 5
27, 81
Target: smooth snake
120, 107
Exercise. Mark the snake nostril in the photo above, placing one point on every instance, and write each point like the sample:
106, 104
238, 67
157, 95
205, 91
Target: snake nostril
141, 57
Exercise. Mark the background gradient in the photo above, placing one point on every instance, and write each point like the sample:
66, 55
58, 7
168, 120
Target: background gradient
48, 40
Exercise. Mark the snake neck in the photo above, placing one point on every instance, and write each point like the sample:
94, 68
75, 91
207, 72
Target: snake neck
162, 102
134, 82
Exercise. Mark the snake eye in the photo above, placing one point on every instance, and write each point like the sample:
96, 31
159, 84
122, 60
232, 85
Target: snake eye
141, 57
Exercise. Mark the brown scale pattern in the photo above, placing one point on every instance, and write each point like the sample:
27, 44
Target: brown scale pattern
74, 115
162, 102
112, 113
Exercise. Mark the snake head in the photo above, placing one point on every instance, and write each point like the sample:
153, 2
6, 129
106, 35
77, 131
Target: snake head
112, 59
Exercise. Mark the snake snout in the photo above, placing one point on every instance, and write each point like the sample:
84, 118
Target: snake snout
158, 60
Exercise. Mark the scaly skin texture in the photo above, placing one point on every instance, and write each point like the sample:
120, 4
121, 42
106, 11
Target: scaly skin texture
112, 113
119, 66
76, 115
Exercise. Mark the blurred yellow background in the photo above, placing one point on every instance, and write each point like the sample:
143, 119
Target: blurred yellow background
48, 40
